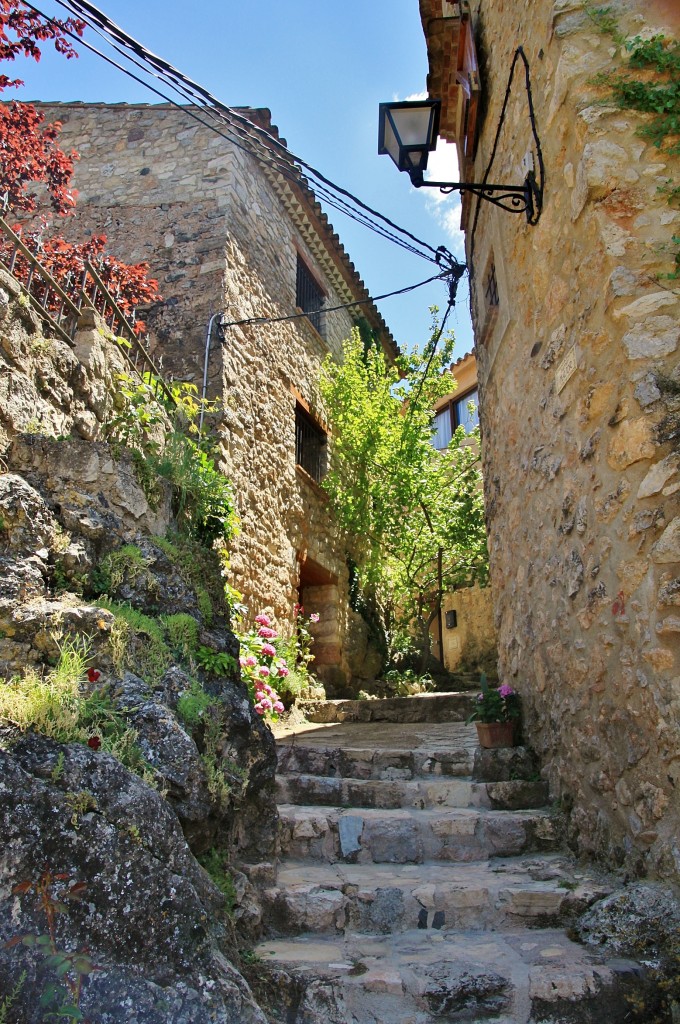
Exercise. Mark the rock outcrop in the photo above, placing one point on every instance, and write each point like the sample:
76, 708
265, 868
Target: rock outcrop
134, 759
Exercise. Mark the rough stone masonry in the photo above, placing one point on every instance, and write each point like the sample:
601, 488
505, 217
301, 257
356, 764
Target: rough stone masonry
578, 370
222, 234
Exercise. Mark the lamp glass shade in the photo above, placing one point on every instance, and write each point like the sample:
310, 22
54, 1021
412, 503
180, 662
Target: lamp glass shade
408, 132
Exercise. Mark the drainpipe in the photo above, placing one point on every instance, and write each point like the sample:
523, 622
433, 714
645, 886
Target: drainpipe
206, 358
440, 620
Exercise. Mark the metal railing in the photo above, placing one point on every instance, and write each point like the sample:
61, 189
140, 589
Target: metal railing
45, 295
62, 311
95, 294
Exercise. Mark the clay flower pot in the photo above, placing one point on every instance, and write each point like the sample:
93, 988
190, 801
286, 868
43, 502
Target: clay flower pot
496, 734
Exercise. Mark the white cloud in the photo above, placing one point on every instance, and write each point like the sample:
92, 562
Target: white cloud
445, 209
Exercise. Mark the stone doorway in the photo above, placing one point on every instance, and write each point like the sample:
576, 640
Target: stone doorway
318, 592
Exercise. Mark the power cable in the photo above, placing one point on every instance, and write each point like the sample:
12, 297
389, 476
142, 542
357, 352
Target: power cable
333, 309
236, 122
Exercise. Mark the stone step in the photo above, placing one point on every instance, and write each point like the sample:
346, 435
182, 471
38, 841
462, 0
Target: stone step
380, 898
422, 976
409, 836
434, 792
360, 751
422, 707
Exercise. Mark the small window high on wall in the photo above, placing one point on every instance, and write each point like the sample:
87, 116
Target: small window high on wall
309, 296
463, 412
310, 444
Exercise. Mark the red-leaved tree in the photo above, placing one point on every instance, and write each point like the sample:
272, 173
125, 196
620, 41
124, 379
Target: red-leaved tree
30, 156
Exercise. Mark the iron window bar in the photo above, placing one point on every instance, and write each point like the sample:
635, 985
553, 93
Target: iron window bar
310, 445
309, 297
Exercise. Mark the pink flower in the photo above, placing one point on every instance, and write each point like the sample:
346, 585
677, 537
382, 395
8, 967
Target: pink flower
259, 710
314, 617
267, 689
262, 620
269, 650
278, 707
251, 661
263, 670
505, 690
266, 633
282, 669
242, 662
265, 704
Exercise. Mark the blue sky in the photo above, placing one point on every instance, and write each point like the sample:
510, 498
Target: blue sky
322, 69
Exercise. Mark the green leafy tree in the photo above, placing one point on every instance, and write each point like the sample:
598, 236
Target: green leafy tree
413, 517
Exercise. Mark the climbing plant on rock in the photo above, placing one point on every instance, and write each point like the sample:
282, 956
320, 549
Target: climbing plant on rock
415, 516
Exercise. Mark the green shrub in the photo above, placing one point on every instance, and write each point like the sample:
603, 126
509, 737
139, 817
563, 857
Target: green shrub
182, 632
137, 642
192, 705
216, 864
215, 662
57, 704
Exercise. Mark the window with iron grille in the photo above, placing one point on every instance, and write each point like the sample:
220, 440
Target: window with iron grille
310, 444
309, 297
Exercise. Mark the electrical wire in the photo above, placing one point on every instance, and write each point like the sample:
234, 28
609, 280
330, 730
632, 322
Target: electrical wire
83, 8
242, 132
333, 309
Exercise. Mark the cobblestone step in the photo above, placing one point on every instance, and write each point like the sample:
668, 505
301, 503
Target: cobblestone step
379, 898
424, 707
417, 977
320, 790
408, 836
393, 751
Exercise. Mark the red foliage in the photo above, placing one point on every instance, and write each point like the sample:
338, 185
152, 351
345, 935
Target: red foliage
21, 30
65, 261
29, 150
29, 153
128, 283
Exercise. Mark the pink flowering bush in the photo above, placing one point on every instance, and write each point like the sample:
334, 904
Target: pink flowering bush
261, 666
269, 661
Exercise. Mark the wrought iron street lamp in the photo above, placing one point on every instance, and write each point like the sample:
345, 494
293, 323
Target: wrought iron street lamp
408, 133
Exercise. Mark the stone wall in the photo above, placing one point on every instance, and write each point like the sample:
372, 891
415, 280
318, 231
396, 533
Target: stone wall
221, 236
578, 367
471, 644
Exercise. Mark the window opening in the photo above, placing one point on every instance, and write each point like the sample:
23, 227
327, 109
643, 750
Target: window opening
455, 414
309, 297
310, 444
465, 417
491, 287
443, 428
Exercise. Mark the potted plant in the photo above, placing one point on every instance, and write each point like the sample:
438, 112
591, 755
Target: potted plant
496, 715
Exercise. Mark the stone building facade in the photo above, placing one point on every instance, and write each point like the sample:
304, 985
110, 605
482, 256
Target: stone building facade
226, 235
577, 335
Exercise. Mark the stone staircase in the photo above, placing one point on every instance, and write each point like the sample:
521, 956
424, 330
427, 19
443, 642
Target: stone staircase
422, 879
